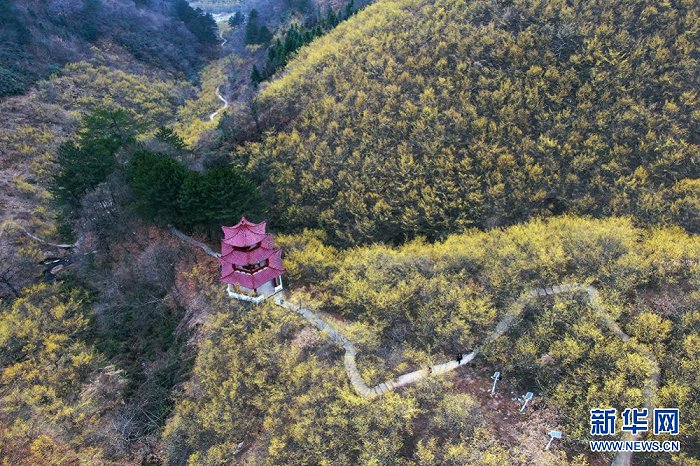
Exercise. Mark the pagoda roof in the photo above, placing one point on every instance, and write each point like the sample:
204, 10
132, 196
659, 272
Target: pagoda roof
275, 260
267, 242
236, 257
244, 233
249, 280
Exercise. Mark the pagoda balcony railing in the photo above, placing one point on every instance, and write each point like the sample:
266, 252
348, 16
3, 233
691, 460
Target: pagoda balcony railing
237, 289
246, 248
251, 272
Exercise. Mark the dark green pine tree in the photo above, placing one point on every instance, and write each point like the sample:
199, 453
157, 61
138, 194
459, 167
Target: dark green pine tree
273, 61
255, 76
264, 35
236, 19
331, 19
200, 23
89, 29
79, 171
155, 180
349, 9
256, 33
308, 36
110, 128
208, 200
87, 163
272, 55
252, 27
292, 40
169, 136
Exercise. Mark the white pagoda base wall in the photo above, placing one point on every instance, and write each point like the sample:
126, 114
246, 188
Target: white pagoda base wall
264, 291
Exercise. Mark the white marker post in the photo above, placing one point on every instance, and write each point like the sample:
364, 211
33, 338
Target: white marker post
552, 435
528, 397
496, 375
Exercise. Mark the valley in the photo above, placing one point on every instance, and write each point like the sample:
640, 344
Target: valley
457, 189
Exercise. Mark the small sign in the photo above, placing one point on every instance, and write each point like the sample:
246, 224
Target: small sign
526, 400
496, 376
555, 434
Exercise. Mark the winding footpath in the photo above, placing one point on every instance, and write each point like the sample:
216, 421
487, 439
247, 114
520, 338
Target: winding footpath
505, 324
47, 243
223, 107
218, 88
361, 388
198, 244
511, 317
502, 327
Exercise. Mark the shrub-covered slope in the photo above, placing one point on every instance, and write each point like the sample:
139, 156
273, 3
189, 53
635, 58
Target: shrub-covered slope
263, 380
38, 37
419, 117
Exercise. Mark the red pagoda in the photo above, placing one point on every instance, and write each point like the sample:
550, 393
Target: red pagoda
250, 264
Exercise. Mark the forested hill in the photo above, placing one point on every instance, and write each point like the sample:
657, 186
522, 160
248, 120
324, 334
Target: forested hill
120, 346
38, 37
421, 118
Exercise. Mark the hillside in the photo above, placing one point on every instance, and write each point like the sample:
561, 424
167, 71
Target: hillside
268, 389
423, 118
457, 188
86, 373
39, 37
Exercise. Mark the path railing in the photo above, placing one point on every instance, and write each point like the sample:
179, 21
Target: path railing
511, 317
362, 389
